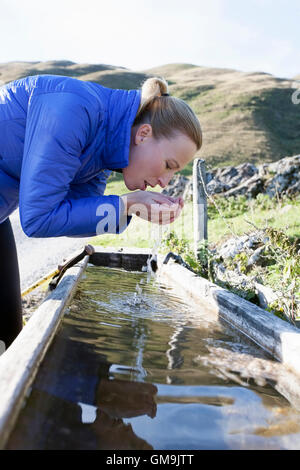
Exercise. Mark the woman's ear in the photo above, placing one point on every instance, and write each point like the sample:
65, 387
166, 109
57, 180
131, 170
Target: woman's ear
143, 133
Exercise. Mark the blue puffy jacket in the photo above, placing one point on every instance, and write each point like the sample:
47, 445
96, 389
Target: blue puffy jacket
59, 137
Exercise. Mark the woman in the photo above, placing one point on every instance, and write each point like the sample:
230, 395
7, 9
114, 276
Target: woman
59, 140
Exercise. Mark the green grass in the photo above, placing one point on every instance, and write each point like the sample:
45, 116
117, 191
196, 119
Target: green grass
290, 221
143, 234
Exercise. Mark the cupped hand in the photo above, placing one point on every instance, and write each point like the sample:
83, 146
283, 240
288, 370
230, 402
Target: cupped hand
153, 207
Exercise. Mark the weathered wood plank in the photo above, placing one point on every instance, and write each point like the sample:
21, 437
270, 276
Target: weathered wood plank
276, 336
131, 259
199, 203
20, 362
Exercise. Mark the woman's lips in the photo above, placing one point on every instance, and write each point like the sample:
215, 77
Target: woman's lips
144, 187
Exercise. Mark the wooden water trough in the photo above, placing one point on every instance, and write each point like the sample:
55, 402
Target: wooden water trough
20, 363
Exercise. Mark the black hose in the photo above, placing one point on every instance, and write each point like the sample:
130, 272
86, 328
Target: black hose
177, 259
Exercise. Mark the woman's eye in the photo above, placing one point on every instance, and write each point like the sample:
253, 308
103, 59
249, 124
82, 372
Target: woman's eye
167, 166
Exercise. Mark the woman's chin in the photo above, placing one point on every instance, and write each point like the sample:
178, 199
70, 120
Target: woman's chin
130, 186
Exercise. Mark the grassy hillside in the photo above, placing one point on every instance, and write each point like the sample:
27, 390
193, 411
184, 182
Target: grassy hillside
244, 116
106, 75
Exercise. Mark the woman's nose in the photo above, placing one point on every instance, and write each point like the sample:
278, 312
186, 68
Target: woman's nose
164, 180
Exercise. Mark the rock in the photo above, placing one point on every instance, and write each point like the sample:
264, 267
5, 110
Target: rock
255, 258
216, 187
225, 175
224, 179
277, 185
243, 173
263, 170
249, 188
266, 295
209, 176
234, 246
234, 175
284, 177
293, 189
176, 186
286, 166
274, 179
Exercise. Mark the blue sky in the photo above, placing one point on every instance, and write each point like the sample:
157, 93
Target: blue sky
250, 35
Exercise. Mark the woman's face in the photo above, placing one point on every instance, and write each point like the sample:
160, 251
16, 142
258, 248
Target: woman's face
153, 162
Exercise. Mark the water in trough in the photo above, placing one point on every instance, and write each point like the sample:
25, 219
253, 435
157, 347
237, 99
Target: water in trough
133, 366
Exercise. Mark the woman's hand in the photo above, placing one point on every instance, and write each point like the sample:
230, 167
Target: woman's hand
153, 207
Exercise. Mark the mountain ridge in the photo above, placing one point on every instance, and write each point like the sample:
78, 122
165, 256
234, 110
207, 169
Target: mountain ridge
245, 116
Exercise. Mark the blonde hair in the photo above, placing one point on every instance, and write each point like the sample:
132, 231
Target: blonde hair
167, 115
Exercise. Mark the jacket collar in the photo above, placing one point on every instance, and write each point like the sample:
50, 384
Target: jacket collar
122, 108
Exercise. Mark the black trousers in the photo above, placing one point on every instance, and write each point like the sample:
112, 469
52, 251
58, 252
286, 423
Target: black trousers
10, 291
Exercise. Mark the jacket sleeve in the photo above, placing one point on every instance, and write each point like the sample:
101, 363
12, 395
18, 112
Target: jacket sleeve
94, 187
57, 129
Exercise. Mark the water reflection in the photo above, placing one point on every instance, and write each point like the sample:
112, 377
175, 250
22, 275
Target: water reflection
78, 405
150, 373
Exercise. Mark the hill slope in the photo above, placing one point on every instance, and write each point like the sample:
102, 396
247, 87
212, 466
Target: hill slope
107, 75
244, 116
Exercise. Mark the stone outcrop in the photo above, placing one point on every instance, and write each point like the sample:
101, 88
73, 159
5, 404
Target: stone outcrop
177, 186
230, 177
245, 243
274, 179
